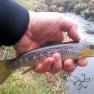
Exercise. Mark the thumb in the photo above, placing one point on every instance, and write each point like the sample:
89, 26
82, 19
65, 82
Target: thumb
69, 26
72, 32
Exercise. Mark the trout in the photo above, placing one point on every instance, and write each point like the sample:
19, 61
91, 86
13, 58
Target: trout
74, 50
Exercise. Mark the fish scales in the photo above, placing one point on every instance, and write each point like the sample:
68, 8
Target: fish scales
67, 50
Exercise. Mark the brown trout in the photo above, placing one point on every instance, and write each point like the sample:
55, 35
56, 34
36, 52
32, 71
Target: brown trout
74, 50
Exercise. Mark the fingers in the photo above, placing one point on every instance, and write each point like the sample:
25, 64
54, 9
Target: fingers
57, 65
72, 32
81, 62
70, 27
68, 65
45, 66
54, 64
51, 64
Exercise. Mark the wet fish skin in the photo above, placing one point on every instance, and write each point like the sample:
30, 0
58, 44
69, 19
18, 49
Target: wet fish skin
32, 58
71, 50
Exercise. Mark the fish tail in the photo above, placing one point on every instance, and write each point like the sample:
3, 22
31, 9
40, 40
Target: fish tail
5, 70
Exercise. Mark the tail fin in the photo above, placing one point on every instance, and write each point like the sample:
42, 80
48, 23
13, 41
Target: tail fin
5, 71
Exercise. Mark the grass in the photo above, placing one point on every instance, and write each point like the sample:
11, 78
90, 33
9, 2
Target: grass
31, 82
23, 84
29, 4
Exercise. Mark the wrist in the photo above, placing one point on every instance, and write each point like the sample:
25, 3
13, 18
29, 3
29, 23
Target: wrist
23, 44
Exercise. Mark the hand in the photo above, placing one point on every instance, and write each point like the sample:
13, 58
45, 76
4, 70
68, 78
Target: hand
47, 27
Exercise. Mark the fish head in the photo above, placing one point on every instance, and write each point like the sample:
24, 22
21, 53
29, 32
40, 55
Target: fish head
88, 51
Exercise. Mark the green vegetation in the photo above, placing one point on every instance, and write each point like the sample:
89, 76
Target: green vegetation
84, 8
23, 84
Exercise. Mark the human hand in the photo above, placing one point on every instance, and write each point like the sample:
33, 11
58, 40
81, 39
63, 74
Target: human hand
47, 27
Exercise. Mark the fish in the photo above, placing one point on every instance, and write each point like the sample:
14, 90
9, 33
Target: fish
70, 49
33, 57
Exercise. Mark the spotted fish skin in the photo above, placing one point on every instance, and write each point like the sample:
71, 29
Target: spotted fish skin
71, 50
32, 58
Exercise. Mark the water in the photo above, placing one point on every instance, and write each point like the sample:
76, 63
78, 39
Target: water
81, 80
